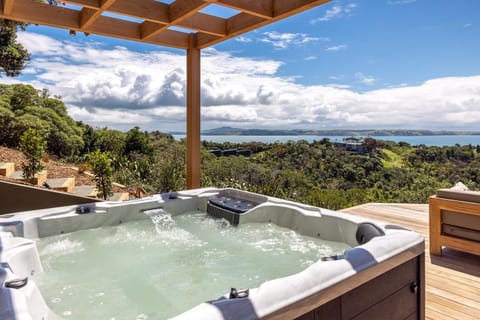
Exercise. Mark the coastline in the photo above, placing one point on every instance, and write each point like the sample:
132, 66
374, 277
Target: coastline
428, 140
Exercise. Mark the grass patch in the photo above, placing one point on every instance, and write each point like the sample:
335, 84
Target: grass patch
391, 159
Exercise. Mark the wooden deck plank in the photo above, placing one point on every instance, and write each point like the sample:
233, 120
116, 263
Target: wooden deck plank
452, 281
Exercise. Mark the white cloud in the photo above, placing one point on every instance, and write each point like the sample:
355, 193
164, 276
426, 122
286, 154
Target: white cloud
106, 116
285, 40
120, 88
309, 58
400, 1
466, 25
243, 39
337, 11
337, 77
364, 79
338, 85
40, 44
337, 48
331, 13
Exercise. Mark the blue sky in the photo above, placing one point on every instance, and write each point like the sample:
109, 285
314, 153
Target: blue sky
393, 42
348, 64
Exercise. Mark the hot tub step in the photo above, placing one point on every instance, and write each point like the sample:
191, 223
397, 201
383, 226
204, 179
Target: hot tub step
61, 184
85, 191
38, 180
119, 196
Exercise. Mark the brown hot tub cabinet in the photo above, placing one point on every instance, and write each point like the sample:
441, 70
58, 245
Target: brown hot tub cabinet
379, 293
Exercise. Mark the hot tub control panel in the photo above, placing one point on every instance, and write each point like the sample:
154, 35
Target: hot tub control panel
229, 207
233, 204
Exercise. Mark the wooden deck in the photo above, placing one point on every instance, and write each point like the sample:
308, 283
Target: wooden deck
452, 281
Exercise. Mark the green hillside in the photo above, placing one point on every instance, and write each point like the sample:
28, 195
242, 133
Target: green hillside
316, 173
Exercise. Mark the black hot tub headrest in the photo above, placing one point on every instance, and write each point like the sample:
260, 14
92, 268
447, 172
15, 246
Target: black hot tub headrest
366, 231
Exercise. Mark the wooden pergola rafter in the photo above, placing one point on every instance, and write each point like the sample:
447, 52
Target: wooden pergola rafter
178, 24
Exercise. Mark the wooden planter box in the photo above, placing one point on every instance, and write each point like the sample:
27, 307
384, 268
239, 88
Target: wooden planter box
6, 169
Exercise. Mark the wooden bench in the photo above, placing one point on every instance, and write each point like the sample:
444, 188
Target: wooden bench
455, 221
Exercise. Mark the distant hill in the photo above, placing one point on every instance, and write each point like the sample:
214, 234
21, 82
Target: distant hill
229, 131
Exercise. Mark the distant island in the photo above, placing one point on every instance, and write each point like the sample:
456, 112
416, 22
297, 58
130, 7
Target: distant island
229, 131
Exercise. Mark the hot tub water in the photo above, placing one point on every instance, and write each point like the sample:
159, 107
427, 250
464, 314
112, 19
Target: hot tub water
141, 270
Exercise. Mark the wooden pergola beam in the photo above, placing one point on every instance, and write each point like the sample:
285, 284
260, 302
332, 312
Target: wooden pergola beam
7, 6
92, 4
284, 9
147, 10
171, 38
88, 16
205, 23
114, 27
178, 11
181, 9
158, 18
149, 29
244, 22
262, 9
39, 13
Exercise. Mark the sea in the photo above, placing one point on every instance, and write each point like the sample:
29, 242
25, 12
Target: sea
449, 140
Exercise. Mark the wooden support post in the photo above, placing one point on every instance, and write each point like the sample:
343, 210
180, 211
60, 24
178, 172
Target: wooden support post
193, 114
435, 226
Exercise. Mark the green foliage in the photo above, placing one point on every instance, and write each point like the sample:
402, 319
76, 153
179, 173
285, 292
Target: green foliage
161, 171
137, 142
90, 139
100, 163
33, 146
23, 107
7, 117
23, 96
316, 173
112, 141
390, 159
13, 56
319, 174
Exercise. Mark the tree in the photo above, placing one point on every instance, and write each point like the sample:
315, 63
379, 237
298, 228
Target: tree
22, 107
100, 163
371, 144
13, 56
90, 138
112, 141
33, 146
23, 95
137, 142
7, 117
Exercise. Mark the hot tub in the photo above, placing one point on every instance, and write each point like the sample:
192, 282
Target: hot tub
379, 274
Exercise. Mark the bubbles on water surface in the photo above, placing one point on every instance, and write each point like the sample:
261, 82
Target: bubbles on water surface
62, 247
169, 232
222, 223
56, 300
163, 221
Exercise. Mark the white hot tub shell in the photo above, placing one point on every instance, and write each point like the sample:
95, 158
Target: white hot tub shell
382, 272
